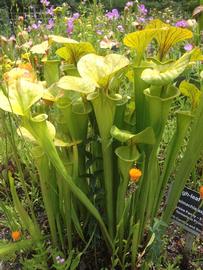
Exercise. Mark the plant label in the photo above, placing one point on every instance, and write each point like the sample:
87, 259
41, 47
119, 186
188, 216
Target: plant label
188, 212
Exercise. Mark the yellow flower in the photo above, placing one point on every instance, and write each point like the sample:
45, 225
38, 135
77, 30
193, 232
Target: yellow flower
16, 235
135, 174
58, 10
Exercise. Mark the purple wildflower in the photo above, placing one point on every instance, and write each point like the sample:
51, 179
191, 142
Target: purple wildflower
45, 2
188, 47
70, 23
70, 26
99, 32
142, 10
29, 28
129, 4
120, 28
50, 24
76, 15
50, 11
60, 260
140, 19
114, 14
182, 24
35, 26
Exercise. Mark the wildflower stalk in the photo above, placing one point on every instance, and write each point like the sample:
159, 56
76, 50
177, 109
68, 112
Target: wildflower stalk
17, 161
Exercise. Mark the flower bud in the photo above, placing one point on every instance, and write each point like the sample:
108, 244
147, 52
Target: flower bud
201, 192
16, 235
135, 174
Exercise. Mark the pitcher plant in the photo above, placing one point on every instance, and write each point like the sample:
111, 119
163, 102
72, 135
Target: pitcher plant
93, 163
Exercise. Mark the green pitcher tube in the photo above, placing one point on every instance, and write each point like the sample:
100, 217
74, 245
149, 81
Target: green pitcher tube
73, 118
157, 114
182, 123
51, 71
158, 109
48, 189
140, 107
63, 112
191, 155
80, 111
105, 108
120, 112
38, 128
127, 155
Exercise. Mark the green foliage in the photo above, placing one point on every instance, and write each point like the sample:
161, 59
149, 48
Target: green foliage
7, 250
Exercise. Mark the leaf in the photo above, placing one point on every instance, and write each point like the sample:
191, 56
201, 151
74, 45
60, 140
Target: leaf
40, 48
22, 94
74, 51
8, 250
140, 39
168, 35
191, 91
77, 223
164, 74
76, 261
77, 84
151, 240
60, 39
69, 260
100, 69
146, 136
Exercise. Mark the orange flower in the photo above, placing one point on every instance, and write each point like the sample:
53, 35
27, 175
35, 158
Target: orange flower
201, 192
16, 235
24, 71
135, 174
